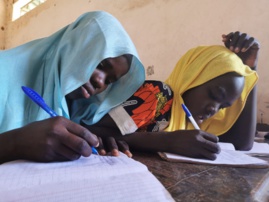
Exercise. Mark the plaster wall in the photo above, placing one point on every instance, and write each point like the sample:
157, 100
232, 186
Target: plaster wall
162, 30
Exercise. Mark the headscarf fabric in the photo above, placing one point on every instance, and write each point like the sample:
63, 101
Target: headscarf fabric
56, 65
196, 67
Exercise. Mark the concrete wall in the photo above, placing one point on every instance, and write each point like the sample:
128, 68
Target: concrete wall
163, 30
3, 22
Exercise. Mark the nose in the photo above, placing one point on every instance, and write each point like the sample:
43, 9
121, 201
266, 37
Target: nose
212, 109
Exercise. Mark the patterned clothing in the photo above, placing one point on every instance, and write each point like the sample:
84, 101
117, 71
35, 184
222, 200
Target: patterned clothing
148, 109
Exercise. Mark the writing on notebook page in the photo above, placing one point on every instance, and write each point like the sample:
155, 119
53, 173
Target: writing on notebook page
96, 178
227, 157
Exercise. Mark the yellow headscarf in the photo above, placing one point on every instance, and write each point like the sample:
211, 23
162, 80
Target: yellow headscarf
198, 66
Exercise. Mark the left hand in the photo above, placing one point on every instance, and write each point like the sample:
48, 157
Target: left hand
245, 46
113, 146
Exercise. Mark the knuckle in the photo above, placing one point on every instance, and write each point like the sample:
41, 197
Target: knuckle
84, 133
82, 146
74, 157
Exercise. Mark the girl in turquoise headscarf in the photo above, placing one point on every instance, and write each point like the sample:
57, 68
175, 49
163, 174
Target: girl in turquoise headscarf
81, 71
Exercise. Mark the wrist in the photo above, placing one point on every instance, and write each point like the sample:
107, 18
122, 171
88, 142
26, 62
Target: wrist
7, 147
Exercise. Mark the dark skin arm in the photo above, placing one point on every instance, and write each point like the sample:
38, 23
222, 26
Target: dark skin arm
243, 131
54, 139
192, 143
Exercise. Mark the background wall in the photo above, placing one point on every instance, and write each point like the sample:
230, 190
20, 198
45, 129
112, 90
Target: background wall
3, 22
162, 30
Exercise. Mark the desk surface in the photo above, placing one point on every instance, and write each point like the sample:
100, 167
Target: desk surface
193, 182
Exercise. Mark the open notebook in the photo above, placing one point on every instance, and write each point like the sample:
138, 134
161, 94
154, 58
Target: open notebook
228, 156
96, 178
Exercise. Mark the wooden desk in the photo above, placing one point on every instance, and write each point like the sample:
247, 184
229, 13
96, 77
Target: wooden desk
207, 183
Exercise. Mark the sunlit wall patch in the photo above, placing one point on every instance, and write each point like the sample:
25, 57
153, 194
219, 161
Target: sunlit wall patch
21, 7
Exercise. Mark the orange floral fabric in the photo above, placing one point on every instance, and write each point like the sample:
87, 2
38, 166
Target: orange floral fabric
150, 106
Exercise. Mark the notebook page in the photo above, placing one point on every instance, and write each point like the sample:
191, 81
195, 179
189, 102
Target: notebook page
225, 157
261, 148
226, 146
96, 178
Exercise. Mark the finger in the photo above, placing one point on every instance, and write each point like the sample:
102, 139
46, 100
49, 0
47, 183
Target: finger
209, 155
210, 137
83, 133
249, 43
76, 143
112, 146
65, 154
242, 39
101, 149
124, 147
226, 39
233, 40
210, 146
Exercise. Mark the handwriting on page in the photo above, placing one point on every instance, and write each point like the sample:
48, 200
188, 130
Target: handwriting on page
97, 178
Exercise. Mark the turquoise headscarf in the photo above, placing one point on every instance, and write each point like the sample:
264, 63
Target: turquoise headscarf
57, 65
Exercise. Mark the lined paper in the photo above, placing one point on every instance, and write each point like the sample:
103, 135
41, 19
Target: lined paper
96, 178
227, 157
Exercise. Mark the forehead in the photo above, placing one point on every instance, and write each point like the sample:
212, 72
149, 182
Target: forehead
231, 82
230, 79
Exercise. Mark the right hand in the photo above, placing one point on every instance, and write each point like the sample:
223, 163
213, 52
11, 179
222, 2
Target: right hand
245, 46
193, 143
54, 139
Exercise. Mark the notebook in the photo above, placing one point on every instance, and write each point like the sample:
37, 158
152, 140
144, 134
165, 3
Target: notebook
95, 178
228, 157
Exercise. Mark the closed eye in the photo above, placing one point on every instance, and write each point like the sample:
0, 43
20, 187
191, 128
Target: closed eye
217, 94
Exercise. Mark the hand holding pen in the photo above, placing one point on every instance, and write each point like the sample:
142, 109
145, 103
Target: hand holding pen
74, 136
203, 144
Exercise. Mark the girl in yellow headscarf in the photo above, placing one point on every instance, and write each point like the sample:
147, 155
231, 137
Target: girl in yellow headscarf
216, 83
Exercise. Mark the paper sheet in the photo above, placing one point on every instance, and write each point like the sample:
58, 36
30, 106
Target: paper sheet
226, 157
96, 178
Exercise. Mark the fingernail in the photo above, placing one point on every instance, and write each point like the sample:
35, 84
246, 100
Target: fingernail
128, 153
102, 152
115, 152
97, 145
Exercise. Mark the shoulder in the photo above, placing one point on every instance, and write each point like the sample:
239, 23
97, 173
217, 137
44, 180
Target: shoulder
159, 85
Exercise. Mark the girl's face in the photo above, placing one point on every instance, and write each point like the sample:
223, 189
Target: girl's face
207, 99
107, 72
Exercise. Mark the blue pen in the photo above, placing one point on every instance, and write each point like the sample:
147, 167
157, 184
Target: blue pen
188, 113
40, 102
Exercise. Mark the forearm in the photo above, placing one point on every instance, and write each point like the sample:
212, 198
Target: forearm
148, 141
243, 131
138, 141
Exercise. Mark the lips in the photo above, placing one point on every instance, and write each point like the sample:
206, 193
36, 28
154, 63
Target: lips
200, 119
